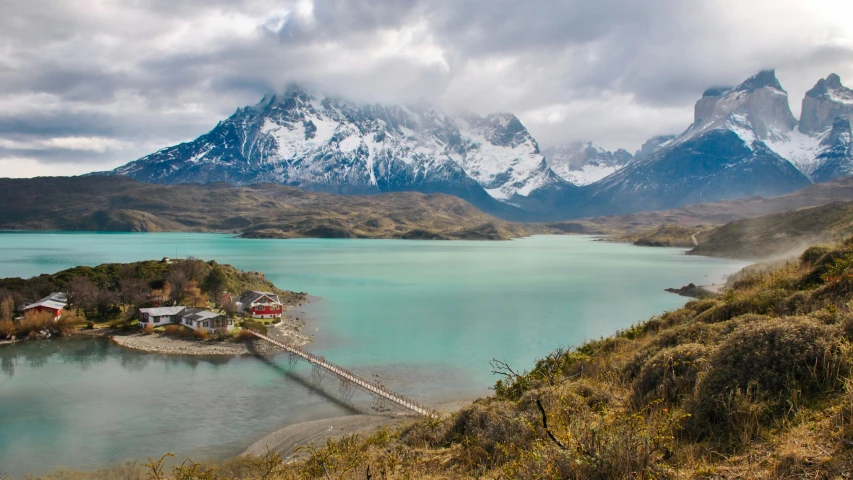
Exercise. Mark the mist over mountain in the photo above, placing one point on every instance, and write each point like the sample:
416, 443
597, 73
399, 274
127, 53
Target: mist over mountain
744, 141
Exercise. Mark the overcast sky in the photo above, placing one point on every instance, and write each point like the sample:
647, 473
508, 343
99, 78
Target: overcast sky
92, 84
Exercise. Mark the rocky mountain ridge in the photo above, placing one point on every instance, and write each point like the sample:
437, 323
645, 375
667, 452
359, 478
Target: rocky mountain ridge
333, 145
744, 142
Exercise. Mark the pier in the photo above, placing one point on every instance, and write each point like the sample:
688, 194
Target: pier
374, 388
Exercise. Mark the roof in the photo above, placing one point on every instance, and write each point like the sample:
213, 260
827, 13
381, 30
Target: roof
252, 296
202, 315
46, 303
162, 311
55, 301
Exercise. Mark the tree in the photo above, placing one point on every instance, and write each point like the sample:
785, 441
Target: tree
227, 304
134, 291
163, 294
83, 293
7, 308
215, 281
192, 295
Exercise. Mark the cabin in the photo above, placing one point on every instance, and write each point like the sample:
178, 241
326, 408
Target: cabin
194, 318
260, 304
160, 316
53, 304
208, 321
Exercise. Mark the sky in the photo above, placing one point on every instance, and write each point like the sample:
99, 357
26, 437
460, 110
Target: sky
88, 85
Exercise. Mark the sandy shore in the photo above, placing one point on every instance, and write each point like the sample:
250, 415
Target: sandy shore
286, 441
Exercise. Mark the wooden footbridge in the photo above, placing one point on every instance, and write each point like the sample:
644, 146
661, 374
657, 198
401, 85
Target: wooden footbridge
345, 375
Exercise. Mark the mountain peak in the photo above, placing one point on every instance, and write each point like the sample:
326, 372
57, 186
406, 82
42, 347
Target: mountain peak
833, 81
826, 101
764, 78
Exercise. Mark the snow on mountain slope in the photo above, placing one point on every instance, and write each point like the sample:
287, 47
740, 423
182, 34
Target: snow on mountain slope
584, 163
331, 144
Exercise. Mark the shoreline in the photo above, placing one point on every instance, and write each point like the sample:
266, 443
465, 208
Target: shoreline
289, 331
288, 440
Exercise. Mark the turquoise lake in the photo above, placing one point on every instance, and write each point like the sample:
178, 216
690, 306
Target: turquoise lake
426, 317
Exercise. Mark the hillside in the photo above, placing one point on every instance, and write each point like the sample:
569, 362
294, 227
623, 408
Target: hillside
637, 225
779, 234
101, 203
753, 384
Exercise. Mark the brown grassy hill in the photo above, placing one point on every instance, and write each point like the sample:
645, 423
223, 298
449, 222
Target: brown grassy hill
779, 234
666, 235
716, 213
262, 211
753, 384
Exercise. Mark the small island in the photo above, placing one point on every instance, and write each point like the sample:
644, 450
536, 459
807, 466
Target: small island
172, 306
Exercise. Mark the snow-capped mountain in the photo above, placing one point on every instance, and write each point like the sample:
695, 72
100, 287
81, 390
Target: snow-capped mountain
723, 154
808, 146
330, 144
652, 145
584, 163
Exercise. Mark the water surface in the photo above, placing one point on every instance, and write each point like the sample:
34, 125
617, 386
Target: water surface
425, 316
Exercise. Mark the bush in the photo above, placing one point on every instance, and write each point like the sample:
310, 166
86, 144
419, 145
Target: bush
770, 357
33, 323
201, 334
149, 329
7, 328
669, 375
90, 325
255, 326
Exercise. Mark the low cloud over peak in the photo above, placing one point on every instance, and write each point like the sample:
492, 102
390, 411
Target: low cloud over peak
88, 85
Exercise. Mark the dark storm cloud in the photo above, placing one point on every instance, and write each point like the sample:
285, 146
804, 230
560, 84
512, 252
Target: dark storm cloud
119, 79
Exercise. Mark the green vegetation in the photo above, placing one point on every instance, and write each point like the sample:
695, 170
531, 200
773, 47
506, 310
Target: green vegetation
753, 384
105, 203
114, 292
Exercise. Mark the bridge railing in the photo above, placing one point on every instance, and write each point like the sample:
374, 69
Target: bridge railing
370, 387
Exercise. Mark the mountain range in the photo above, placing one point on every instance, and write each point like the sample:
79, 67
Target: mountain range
744, 142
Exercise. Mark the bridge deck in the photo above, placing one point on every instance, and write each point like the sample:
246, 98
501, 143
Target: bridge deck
371, 387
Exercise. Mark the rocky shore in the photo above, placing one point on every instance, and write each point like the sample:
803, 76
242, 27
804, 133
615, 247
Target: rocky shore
289, 331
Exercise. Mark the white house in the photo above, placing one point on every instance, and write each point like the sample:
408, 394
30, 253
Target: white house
159, 316
194, 318
198, 319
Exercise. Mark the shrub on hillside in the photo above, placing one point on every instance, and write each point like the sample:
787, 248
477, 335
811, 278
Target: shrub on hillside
670, 375
769, 357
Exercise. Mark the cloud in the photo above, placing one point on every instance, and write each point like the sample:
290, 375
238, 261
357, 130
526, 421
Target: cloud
92, 84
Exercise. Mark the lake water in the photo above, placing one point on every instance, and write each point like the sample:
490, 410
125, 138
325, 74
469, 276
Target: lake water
426, 317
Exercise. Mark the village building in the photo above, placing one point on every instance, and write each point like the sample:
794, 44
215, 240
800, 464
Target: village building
260, 304
208, 321
194, 318
160, 316
53, 304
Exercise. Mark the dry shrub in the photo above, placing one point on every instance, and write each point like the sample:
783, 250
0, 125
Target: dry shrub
813, 254
7, 328
68, 322
669, 375
426, 432
33, 323
767, 358
243, 336
173, 330
149, 329
491, 432
603, 446
201, 334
